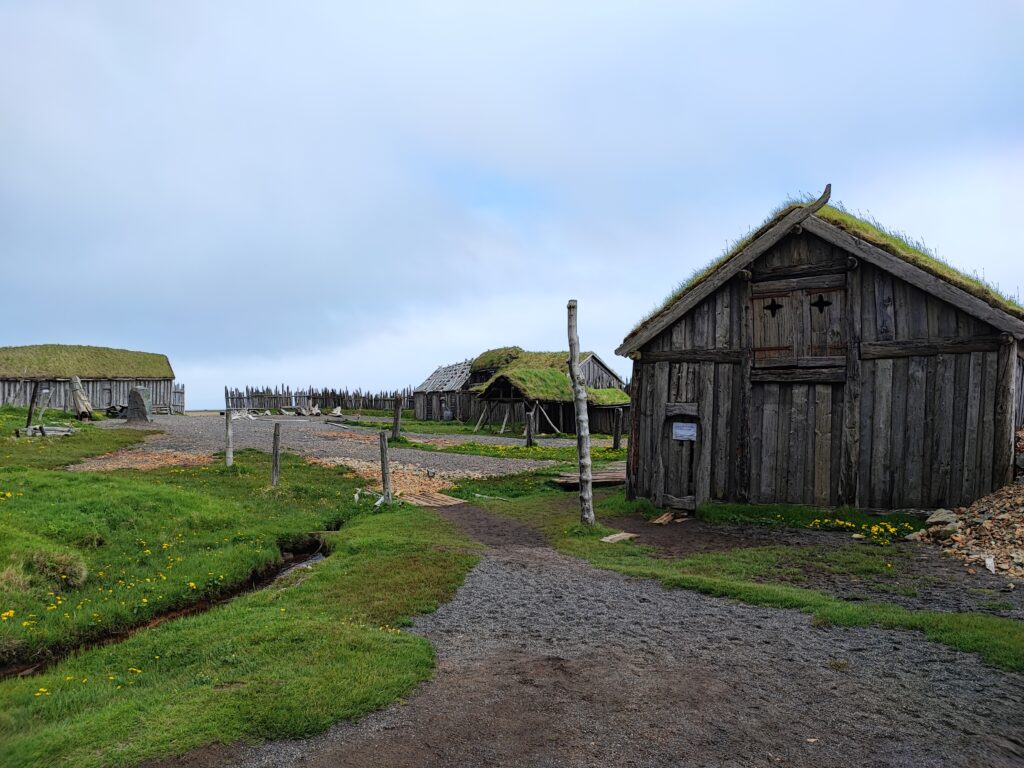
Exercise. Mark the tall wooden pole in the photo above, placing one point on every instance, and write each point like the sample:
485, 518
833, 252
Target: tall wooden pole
617, 431
529, 424
385, 470
32, 404
579, 391
396, 424
275, 460
229, 449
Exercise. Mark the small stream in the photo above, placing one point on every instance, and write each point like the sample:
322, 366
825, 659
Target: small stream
261, 579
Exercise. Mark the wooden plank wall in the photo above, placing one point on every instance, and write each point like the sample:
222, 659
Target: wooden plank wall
928, 431
101, 392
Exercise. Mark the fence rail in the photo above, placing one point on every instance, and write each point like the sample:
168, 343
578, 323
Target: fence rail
268, 398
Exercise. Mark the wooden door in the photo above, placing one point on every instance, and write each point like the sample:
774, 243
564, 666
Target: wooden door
679, 475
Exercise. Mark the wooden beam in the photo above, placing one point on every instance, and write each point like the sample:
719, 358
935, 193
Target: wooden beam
720, 276
881, 350
694, 356
823, 282
805, 375
681, 409
849, 461
916, 276
804, 270
832, 361
1006, 407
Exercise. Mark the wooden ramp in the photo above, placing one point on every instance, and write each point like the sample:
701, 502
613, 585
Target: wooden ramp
430, 499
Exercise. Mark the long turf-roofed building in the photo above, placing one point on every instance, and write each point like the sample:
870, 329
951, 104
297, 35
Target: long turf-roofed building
107, 374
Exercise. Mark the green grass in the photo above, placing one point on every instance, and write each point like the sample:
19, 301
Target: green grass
284, 662
53, 452
55, 361
749, 575
407, 413
881, 529
563, 453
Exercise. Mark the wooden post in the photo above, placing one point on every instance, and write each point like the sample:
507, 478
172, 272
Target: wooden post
275, 460
529, 424
505, 420
385, 470
617, 431
582, 421
486, 412
396, 425
32, 403
229, 450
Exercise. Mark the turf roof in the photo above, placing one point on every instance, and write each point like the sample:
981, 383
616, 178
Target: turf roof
552, 385
62, 361
890, 241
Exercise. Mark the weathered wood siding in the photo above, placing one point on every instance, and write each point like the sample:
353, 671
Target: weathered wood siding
102, 392
597, 376
818, 379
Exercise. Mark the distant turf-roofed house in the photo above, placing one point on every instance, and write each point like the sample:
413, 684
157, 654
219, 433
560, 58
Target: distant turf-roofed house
826, 361
509, 380
443, 390
107, 374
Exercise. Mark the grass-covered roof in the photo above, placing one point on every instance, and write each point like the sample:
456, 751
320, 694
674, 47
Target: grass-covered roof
62, 361
550, 385
893, 242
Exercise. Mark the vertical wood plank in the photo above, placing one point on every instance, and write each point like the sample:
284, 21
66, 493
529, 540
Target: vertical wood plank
705, 431
798, 438
822, 443
867, 416
942, 445
880, 438
659, 433
988, 423
972, 429
848, 470
782, 459
722, 415
915, 410
756, 431
1006, 399
769, 441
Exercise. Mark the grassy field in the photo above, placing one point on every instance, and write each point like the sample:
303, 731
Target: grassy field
54, 452
89, 555
539, 452
754, 575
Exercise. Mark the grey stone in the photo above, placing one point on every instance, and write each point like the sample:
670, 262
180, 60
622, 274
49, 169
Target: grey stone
140, 404
941, 517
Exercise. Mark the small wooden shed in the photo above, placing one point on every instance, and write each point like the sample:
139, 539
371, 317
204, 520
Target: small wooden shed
512, 381
826, 361
444, 390
107, 375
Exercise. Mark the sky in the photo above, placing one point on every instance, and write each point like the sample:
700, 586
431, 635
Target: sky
349, 195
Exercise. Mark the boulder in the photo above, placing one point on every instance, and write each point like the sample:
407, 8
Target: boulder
140, 405
941, 517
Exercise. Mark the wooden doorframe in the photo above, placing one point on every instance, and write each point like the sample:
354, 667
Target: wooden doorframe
673, 411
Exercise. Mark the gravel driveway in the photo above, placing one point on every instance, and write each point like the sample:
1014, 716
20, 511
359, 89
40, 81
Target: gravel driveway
547, 661
315, 438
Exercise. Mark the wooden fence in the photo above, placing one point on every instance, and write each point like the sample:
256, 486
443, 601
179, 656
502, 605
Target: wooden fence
102, 393
266, 398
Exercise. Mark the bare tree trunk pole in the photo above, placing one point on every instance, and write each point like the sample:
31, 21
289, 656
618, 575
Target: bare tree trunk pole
385, 469
275, 460
32, 403
396, 425
582, 421
617, 433
529, 424
229, 450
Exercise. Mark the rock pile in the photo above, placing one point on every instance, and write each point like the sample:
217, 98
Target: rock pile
989, 533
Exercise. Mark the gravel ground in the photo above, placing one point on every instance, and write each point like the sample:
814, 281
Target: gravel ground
546, 661
205, 434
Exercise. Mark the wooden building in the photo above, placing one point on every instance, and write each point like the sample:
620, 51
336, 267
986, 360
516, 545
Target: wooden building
825, 361
107, 375
444, 390
511, 382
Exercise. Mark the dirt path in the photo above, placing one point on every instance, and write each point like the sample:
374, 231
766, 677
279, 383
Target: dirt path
546, 661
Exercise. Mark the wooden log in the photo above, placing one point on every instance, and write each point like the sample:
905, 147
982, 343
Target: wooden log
385, 468
396, 424
275, 456
881, 443
742, 417
548, 419
788, 285
681, 409
686, 503
504, 421
617, 431
804, 375
850, 446
529, 424
582, 420
1006, 399
693, 356
880, 350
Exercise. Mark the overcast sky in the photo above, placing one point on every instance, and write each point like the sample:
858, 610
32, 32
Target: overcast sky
349, 194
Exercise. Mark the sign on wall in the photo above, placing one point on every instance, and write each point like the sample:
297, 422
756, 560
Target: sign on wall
684, 430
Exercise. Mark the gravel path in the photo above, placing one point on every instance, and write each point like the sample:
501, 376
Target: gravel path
546, 661
315, 438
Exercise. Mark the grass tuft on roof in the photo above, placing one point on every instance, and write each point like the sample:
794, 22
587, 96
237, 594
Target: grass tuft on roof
553, 385
865, 227
62, 361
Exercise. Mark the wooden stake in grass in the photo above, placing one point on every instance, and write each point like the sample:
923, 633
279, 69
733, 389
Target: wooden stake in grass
579, 391
229, 449
529, 425
385, 470
275, 461
32, 404
617, 432
396, 424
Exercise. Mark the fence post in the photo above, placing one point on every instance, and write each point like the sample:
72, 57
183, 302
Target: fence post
528, 414
275, 462
617, 433
396, 425
229, 450
385, 470
32, 403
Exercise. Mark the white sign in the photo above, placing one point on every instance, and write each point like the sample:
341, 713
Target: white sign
684, 430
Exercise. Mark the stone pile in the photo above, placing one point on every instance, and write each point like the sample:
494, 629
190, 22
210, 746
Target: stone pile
989, 533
